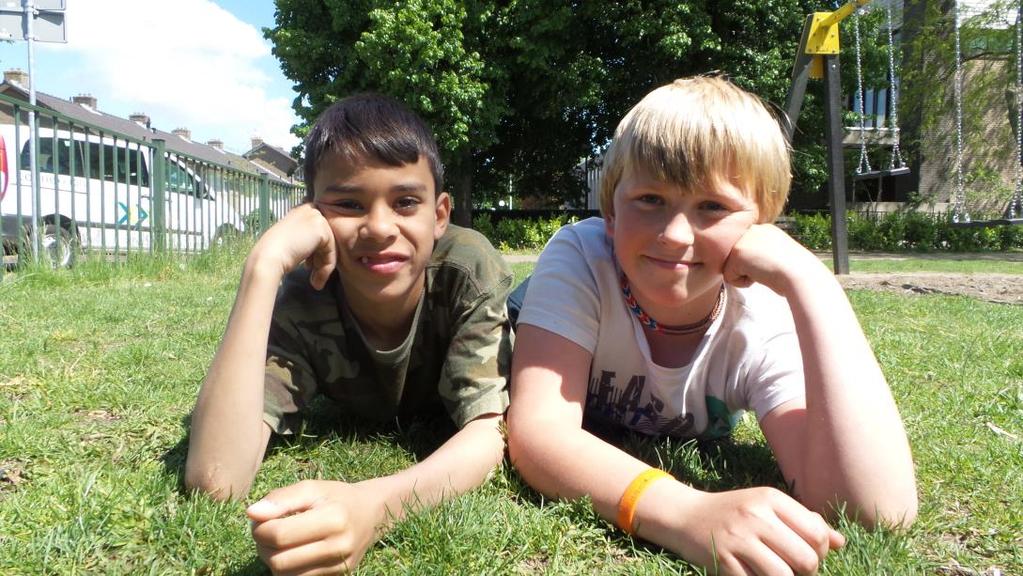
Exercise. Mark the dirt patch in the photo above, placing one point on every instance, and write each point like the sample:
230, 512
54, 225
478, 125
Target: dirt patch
98, 415
1002, 288
12, 474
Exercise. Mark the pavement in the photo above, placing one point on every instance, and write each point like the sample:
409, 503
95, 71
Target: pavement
992, 256
516, 258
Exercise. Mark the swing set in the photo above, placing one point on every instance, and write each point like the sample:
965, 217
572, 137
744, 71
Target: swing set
818, 58
896, 165
1013, 214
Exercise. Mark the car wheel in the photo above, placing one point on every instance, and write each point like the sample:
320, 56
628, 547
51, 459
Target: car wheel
225, 235
59, 249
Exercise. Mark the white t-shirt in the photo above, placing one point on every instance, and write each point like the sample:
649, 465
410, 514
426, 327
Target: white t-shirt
748, 359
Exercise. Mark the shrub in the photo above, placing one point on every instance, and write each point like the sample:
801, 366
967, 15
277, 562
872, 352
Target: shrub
906, 231
510, 233
921, 231
813, 231
1011, 237
890, 232
482, 224
520, 234
864, 233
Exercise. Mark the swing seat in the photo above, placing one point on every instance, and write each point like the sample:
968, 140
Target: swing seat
881, 173
989, 223
868, 175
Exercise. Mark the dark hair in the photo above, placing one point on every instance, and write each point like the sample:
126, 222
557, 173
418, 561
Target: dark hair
371, 126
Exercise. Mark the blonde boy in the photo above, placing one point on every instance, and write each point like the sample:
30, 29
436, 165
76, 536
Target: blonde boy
684, 306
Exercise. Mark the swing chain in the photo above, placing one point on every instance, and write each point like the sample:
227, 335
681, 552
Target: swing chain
896, 159
864, 165
1016, 204
959, 212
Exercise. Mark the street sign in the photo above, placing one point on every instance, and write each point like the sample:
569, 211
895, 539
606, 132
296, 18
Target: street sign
47, 27
44, 22
16, 5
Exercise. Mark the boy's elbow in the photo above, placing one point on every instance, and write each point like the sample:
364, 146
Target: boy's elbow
894, 512
522, 447
514, 449
899, 513
213, 482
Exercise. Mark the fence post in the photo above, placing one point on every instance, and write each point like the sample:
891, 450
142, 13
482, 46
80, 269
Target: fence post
158, 208
264, 203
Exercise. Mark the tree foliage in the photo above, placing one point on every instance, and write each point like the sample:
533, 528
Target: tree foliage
519, 91
988, 97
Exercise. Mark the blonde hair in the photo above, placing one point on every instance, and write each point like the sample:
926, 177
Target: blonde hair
698, 129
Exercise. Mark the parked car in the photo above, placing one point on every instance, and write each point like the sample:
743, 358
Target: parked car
95, 193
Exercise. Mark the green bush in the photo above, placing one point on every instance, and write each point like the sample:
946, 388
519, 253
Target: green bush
813, 231
890, 232
921, 230
482, 224
906, 231
520, 234
864, 233
1011, 237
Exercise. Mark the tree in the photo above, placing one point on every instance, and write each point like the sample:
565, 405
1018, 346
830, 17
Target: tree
989, 108
421, 51
520, 91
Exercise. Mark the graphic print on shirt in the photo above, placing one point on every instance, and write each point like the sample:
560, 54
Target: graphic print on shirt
633, 407
720, 421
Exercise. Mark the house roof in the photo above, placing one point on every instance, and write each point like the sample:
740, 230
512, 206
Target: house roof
273, 155
104, 121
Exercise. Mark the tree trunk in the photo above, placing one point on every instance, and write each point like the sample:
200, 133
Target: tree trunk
910, 112
461, 190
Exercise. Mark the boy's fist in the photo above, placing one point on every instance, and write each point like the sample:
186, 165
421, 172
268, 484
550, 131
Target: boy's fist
315, 527
303, 235
767, 255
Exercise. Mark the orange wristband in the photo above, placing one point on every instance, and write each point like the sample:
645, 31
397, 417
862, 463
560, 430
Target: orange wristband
627, 505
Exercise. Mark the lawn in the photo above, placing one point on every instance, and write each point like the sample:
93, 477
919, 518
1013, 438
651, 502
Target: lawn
99, 368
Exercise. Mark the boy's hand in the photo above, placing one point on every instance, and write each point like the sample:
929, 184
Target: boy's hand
767, 255
752, 532
315, 526
302, 235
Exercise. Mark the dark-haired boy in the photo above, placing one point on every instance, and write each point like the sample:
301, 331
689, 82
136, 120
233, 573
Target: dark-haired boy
395, 313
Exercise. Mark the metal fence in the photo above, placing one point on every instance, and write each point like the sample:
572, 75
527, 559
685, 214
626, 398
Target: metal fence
110, 193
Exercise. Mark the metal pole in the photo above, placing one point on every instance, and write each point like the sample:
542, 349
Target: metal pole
30, 14
158, 209
842, 13
836, 164
800, 76
264, 204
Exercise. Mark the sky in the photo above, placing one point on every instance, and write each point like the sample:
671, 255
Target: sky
197, 64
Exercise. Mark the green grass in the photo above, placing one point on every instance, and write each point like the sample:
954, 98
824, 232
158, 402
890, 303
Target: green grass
957, 264
980, 263
99, 368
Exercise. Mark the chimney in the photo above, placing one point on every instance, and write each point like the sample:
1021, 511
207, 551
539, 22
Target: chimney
85, 100
140, 118
16, 76
256, 141
218, 144
183, 133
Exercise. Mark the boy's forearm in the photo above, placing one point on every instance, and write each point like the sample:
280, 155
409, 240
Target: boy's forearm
574, 465
461, 464
856, 446
228, 435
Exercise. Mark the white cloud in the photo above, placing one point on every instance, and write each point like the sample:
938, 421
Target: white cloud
185, 63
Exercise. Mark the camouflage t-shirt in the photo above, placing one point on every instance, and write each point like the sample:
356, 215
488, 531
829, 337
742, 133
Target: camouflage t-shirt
457, 357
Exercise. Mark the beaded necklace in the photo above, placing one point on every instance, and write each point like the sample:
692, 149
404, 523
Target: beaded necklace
684, 329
